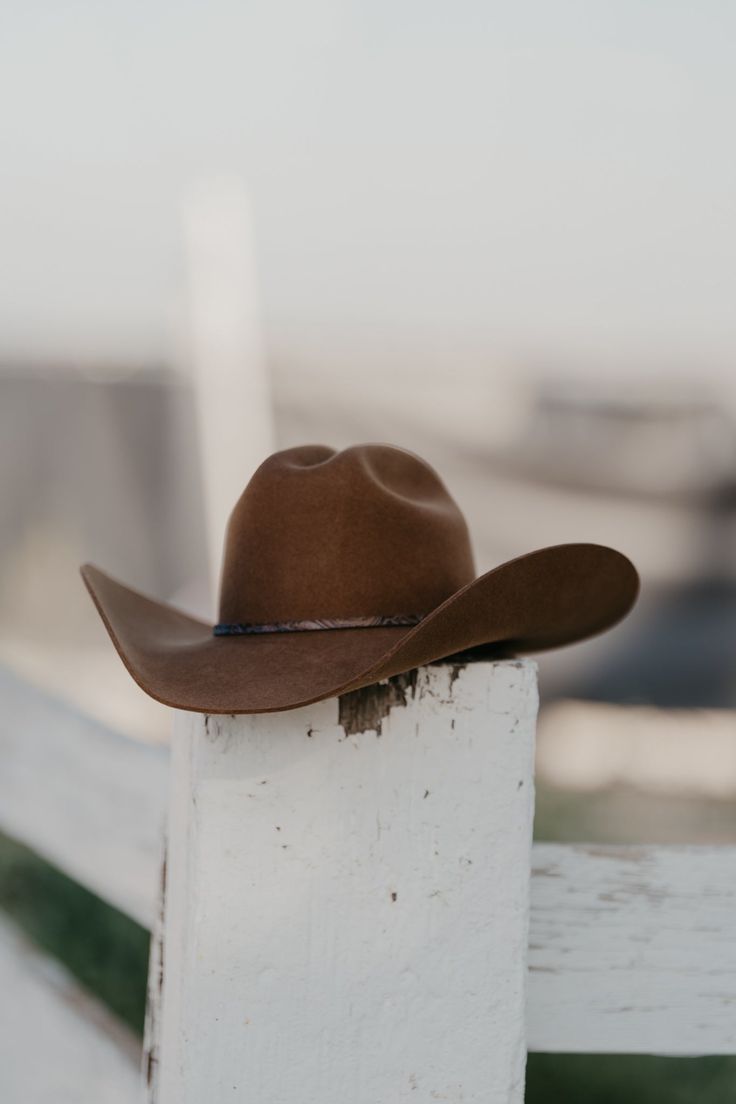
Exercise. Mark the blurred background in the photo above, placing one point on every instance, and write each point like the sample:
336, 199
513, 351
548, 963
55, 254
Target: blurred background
502, 235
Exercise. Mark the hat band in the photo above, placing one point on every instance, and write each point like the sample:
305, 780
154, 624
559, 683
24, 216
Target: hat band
243, 628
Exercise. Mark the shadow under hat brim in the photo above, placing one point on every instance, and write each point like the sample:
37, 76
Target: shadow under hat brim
542, 600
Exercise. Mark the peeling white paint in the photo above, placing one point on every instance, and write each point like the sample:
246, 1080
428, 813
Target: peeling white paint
633, 950
601, 918
347, 915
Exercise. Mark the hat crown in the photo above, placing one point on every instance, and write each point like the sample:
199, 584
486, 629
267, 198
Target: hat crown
370, 531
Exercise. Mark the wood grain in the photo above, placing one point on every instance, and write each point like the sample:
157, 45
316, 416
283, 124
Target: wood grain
633, 949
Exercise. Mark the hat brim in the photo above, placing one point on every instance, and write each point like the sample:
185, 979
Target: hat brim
542, 600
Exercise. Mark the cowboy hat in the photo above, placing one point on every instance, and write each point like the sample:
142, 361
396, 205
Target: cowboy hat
345, 568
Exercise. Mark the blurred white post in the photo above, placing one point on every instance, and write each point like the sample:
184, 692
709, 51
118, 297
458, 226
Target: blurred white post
232, 391
347, 898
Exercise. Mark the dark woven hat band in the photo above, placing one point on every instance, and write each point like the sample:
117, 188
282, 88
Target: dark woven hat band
241, 628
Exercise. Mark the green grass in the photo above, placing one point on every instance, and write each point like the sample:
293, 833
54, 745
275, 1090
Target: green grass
629, 1079
624, 815
104, 949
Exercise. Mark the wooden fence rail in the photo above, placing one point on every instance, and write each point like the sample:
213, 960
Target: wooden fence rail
631, 949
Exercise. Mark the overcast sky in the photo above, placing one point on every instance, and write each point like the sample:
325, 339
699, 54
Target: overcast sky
548, 179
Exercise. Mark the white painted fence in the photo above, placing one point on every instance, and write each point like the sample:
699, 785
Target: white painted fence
352, 914
630, 949
57, 1044
347, 909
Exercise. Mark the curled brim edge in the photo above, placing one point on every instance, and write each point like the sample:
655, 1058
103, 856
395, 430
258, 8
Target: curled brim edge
542, 600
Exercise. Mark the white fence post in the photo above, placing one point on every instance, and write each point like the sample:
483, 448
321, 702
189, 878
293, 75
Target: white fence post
348, 896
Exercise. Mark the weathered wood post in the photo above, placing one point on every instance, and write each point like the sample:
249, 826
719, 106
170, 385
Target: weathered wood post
347, 903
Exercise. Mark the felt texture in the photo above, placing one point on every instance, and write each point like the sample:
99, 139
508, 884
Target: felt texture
371, 531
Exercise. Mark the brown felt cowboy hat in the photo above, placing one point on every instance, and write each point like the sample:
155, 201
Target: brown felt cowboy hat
342, 569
